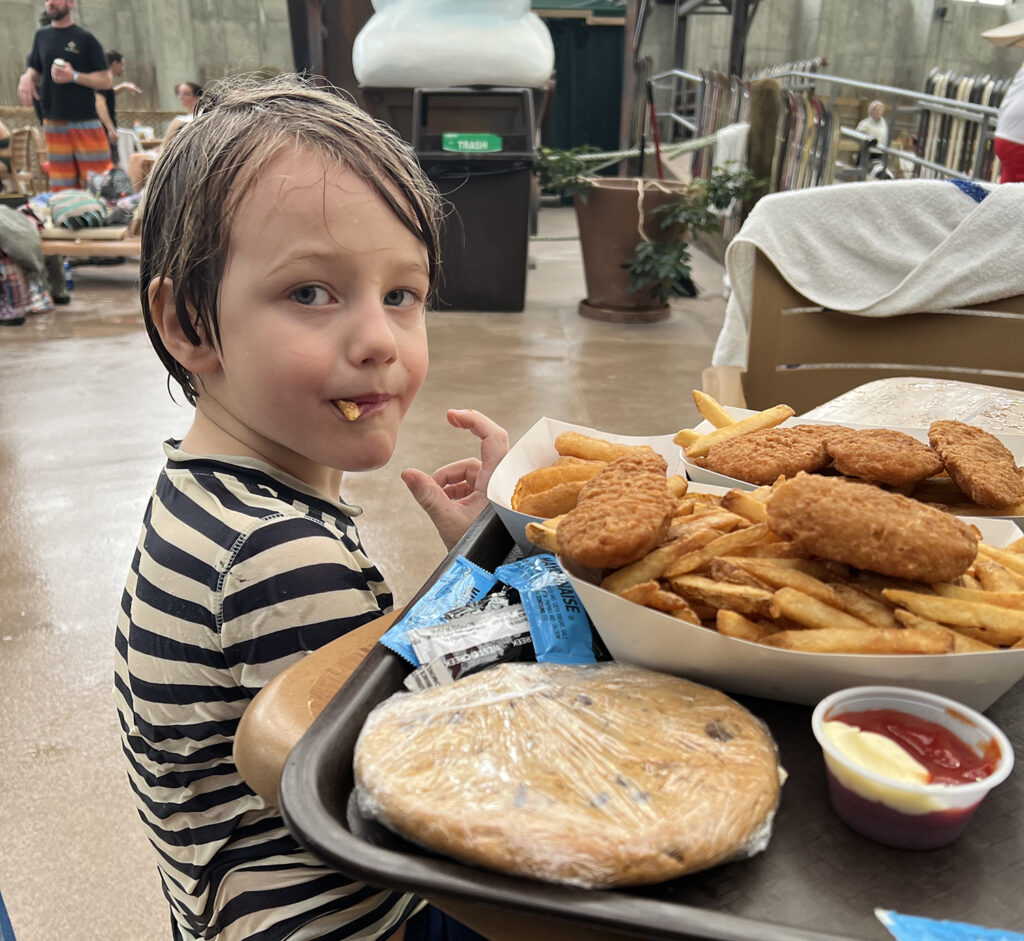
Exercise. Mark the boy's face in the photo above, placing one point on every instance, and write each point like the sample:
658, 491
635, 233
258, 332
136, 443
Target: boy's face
322, 300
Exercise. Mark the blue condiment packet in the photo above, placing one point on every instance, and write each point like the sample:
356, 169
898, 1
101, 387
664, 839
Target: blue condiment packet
461, 583
560, 627
915, 928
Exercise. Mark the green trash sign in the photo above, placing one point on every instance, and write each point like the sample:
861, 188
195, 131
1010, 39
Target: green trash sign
471, 143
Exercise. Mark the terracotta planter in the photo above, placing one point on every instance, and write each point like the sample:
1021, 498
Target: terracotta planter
609, 225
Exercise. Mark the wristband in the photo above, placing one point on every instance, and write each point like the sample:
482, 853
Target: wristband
74, 77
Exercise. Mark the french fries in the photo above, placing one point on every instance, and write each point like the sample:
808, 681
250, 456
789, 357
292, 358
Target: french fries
728, 573
769, 418
810, 612
855, 640
554, 490
936, 488
721, 567
544, 534
745, 504
554, 501
575, 444
1001, 627
711, 410
736, 625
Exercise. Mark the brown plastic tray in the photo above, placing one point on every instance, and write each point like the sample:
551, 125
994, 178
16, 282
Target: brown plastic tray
816, 880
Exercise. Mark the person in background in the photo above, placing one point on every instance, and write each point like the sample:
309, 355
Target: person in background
37, 102
188, 94
140, 164
69, 63
1009, 134
106, 103
875, 126
290, 245
907, 142
5, 149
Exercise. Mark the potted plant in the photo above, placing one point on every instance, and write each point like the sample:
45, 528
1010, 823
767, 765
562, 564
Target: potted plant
632, 231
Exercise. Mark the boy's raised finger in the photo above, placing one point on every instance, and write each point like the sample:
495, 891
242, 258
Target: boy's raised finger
465, 470
493, 439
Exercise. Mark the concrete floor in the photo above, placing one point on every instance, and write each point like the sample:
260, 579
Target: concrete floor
84, 408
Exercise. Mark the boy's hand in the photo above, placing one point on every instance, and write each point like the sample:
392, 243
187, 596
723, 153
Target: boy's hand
455, 495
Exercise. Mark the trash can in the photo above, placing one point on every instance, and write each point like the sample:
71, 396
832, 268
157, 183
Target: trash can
477, 145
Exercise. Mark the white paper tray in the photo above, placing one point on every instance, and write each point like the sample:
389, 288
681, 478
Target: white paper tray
649, 638
702, 475
536, 449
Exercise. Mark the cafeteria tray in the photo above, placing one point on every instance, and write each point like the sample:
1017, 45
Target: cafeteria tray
816, 881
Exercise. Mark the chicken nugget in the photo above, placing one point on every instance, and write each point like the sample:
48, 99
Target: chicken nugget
883, 456
979, 463
622, 513
761, 457
870, 528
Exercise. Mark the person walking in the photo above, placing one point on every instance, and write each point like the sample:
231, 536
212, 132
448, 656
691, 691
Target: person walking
69, 63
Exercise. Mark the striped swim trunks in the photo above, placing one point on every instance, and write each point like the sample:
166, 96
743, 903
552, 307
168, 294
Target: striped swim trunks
75, 149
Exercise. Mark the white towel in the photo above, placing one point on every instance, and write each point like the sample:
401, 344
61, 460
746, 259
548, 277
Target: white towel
731, 147
878, 249
730, 153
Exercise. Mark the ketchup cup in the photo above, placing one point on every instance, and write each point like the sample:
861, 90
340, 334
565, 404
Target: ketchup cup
897, 812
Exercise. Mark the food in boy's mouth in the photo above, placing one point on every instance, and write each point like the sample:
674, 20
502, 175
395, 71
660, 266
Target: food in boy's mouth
349, 409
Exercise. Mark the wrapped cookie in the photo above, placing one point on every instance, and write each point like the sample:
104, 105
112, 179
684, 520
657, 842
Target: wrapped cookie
596, 776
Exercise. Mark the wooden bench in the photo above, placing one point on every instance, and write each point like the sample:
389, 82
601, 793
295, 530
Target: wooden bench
93, 248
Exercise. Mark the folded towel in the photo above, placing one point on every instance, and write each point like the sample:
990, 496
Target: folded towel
878, 250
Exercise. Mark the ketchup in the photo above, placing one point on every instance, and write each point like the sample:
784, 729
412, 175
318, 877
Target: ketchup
948, 759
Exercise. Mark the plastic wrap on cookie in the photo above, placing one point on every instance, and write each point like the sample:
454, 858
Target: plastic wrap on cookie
598, 776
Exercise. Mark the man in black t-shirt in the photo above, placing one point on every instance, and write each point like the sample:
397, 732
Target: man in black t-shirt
70, 64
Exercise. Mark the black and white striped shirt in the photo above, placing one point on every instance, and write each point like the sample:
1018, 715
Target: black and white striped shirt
240, 570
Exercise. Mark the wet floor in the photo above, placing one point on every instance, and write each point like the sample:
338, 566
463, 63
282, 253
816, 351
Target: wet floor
84, 408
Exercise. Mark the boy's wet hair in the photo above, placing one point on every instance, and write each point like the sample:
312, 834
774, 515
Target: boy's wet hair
197, 184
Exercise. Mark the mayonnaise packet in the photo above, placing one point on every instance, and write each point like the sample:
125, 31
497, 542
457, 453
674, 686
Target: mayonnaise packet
461, 583
560, 627
915, 928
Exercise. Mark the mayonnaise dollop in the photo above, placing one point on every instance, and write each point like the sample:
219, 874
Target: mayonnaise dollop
875, 753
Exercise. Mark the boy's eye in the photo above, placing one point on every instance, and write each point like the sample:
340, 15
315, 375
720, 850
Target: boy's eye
400, 297
310, 295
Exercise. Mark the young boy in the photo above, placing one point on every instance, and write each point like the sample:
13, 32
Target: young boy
289, 245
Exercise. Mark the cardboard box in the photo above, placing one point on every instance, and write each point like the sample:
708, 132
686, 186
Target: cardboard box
649, 638
702, 475
536, 449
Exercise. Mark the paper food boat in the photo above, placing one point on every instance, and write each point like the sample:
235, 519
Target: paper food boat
649, 638
653, 639
702, 475
536, 449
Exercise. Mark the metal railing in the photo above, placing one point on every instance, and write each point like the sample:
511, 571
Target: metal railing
685, 92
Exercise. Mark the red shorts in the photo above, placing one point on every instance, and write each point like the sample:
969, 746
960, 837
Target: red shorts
74, 150
1011, 156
